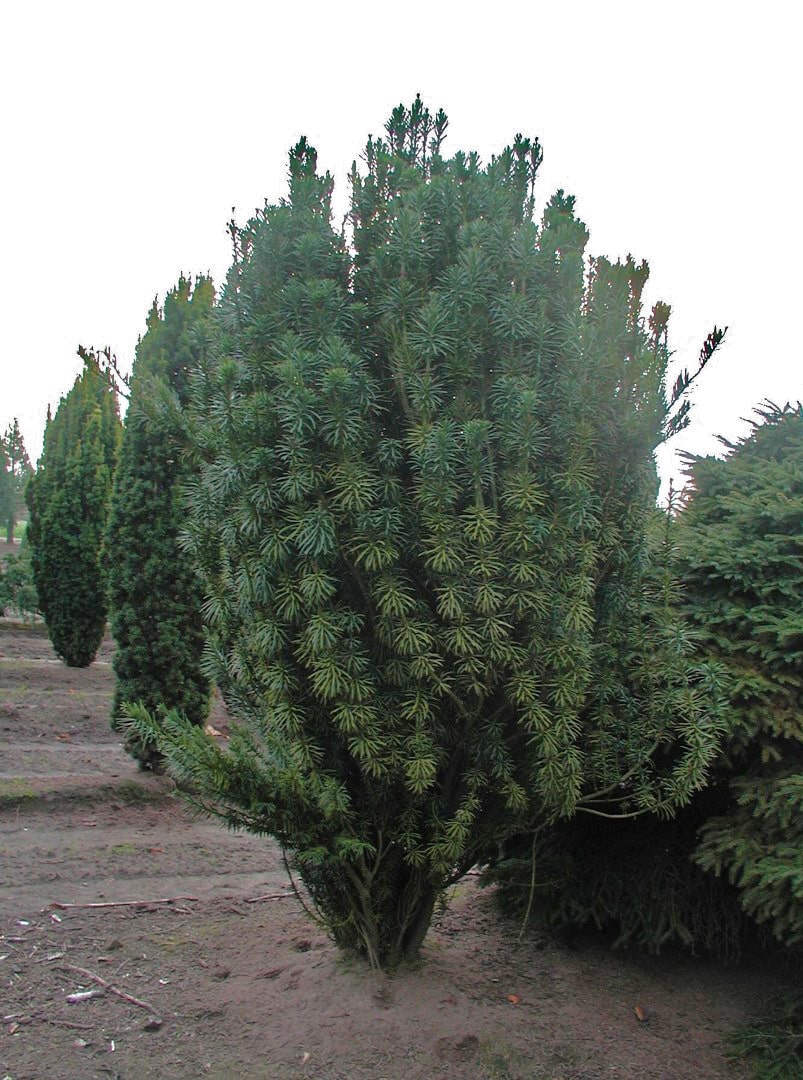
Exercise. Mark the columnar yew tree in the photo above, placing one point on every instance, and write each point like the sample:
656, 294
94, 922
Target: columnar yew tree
68, 498
154, 590
427, 468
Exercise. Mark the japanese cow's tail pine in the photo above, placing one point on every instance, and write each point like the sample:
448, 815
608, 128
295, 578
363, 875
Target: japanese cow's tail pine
426, 476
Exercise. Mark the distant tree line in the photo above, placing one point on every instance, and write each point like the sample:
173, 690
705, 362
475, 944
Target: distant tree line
15, 470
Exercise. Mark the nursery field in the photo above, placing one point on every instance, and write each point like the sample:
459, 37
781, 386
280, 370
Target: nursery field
186, 954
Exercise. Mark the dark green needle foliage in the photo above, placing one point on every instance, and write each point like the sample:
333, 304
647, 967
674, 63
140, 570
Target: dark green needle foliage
427, 472
6, 487
734, 857
17, 590
68, 499
154, 590
632, 876
742, 560
773, 1045
15, 471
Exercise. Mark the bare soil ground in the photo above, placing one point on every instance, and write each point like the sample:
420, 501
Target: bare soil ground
232, 980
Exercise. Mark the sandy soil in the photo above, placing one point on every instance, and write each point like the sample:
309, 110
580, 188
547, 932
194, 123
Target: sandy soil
232, 980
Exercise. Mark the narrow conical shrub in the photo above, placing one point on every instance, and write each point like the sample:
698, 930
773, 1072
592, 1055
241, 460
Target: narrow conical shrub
154, 589
68, 499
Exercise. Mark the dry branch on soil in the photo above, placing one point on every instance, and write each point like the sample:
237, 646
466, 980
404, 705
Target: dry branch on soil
122, 903
105, 986
270, 896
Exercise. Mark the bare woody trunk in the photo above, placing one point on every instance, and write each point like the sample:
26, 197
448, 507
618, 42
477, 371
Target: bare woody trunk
379, 910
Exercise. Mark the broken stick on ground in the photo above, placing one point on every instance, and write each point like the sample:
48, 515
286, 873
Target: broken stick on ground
270, 896
122, 903
106, 986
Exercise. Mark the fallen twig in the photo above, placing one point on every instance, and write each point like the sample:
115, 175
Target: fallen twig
270, 896
64, 1023
40, 1013
107, 986
121, 903
83, 995
49, 959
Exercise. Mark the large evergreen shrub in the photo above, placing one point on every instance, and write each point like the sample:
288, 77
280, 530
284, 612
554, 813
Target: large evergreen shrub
632, 878
427, 473
68, 498
736, 853
742, 561
154, 590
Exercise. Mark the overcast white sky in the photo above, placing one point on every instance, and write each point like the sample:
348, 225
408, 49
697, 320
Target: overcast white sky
130, 130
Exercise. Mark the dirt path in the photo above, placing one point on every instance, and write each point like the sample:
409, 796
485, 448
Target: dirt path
244, 989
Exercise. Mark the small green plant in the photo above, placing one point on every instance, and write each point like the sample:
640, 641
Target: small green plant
124, 849
18, 595
14, 791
